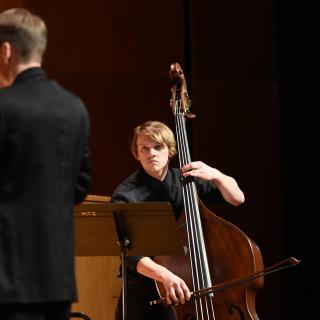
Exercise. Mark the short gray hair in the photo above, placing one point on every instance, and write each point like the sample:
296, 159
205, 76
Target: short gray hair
26, 32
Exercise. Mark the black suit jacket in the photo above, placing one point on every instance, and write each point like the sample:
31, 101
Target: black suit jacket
44, 171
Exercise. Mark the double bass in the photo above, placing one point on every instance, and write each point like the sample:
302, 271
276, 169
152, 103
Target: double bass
222, 266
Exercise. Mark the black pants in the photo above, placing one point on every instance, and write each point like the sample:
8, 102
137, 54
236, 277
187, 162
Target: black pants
35, 311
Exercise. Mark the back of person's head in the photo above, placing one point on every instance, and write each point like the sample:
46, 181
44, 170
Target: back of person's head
26, 32
158, 132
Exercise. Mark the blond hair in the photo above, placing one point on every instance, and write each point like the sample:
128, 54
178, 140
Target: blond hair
157, 131
26, 32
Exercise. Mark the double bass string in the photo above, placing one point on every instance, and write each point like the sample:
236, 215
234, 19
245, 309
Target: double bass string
197, 252
196, 243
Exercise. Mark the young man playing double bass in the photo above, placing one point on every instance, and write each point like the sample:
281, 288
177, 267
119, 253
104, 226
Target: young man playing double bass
153, 145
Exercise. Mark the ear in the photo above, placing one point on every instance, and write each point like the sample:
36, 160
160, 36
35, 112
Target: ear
6, 52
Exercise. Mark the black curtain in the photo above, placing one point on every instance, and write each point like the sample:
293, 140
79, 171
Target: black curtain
299, 80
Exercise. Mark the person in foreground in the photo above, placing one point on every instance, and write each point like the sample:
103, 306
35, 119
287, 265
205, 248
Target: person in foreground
44, 170
153, 145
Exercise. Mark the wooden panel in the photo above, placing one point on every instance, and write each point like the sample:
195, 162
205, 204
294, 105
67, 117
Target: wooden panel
96, 198
116, 58
98, 286
7, 4
97, 280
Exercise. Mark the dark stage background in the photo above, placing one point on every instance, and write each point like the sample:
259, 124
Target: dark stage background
251, 69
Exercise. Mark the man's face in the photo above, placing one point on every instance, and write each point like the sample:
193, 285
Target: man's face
154, 157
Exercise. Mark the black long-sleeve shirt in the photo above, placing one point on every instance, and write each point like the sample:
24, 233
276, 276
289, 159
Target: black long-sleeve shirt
141, 187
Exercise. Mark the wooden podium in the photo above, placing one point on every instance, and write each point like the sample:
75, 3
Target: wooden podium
98, 285
111, 229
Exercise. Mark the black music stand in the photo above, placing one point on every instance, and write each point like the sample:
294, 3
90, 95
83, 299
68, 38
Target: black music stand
147, 228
